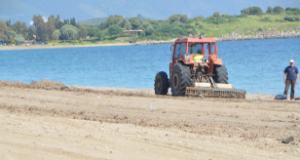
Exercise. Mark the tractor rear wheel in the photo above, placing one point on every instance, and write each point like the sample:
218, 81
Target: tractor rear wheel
161, 84
181, 78
220, 74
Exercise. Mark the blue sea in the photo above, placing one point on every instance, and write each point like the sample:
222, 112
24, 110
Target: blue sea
255, 65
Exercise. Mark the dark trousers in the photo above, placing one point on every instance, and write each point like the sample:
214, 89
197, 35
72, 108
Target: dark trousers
287, 86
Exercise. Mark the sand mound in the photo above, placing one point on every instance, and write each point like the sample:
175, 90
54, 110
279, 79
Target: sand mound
47, 84
51, 85
43, 84
13, 84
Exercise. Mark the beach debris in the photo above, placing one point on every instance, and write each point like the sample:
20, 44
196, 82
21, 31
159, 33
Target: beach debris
81, 112
99, 97
110, 151
240, 129
150, 107
281, 97
288, 139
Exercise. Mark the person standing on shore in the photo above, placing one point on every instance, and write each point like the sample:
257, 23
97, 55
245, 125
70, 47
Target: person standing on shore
290, 76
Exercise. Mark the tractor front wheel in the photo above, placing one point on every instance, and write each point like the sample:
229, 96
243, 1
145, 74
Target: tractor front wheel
161, 84
220, 74
181, 78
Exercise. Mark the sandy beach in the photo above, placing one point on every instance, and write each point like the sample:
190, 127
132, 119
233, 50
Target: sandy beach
48, 120
62, 46
22, 47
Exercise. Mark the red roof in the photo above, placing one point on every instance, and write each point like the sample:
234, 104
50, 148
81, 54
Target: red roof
196, 40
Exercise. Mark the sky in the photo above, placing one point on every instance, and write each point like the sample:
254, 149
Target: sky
20, 10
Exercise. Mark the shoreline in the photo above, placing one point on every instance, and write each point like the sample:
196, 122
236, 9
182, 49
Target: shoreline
118, 91
232, 37
65, 46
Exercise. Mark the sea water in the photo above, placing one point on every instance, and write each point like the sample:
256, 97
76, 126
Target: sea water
256, 65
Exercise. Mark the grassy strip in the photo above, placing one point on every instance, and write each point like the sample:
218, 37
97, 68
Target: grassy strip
249, 25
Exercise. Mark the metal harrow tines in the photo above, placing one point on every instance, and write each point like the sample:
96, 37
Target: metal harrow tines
215, 93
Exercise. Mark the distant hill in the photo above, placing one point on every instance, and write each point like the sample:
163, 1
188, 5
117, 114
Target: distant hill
156, 9
94, 21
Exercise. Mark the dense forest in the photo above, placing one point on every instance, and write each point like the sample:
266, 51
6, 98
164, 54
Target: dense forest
57, 29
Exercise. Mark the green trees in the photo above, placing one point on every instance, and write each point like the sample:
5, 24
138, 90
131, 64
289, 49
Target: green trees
135, 23
269, 10
198, 18
122, 23
128, 26
114, 30
82, 31
50, 28
73, 22
218, 19
174, 18
31, 32
56, 34
3, 37
177, 25
178, 18
217, 14
288, 9
184, 18
3, 27
278, 10
69, 32
112, 20
11, 34
149, 31
92, 31
57, 22
245, 11
101, 35
8, 23
291, 19
252, 11
43, 30
294, 11
146, 25
20, 28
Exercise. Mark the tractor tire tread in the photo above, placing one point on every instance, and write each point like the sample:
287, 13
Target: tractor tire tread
165, 83
220, 74
185, 79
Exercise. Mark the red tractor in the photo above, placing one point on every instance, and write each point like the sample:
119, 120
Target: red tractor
195, 70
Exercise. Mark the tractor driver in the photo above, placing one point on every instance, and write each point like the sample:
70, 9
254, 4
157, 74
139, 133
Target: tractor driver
199, 51
198, 57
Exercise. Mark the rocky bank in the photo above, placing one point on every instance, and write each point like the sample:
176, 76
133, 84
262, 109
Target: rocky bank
270, 33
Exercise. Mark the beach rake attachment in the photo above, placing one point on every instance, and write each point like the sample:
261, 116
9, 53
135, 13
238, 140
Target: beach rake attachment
215, 92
